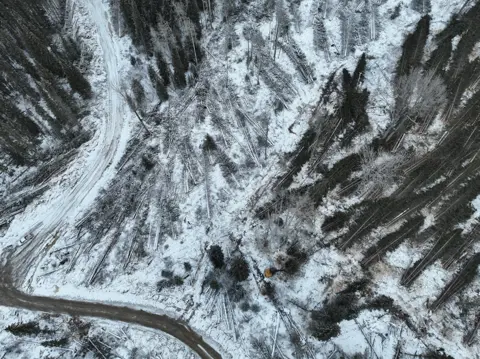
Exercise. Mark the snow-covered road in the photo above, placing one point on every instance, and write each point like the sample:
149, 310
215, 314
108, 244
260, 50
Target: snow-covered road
57, 212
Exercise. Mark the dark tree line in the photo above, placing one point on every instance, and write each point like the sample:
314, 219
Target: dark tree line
349, 120
443, 181
39, 78
413, 46
169, 31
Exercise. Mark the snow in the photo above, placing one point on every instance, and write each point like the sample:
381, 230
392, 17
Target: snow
377, 325
123, 340
328, 270
75, 190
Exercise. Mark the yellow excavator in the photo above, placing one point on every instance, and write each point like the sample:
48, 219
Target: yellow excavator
270, 271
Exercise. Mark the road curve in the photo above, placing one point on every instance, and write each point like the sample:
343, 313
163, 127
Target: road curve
12, 297
65, 208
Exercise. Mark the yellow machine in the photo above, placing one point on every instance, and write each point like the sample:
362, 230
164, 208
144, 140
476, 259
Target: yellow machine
269, 272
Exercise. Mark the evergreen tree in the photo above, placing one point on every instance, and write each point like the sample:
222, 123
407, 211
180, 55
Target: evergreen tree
178, 70
215, 254
35, 60
239, 269
163, 69
158, 84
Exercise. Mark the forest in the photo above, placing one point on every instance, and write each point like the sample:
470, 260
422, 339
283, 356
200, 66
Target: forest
43, 90
297, 167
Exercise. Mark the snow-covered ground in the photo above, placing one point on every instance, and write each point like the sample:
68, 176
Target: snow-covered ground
229, 217
55, 213
83, 337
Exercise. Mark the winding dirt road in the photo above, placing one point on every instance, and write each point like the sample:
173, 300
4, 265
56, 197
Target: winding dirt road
61, 208
12, 297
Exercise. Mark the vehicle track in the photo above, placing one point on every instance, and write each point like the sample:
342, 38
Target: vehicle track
63, 209
101, 155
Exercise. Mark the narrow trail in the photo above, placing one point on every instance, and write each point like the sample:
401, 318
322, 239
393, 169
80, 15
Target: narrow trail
63, 207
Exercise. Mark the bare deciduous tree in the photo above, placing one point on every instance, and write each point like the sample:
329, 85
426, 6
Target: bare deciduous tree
419, 96
379, 173
133, 106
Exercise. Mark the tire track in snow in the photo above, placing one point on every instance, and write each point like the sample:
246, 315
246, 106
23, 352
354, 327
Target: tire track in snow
61, 210
102, 154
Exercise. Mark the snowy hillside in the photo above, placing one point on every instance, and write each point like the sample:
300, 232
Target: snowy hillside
293, 179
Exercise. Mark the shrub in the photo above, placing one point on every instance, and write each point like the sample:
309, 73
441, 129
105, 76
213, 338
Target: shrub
79, 326
279, 221
215, 285
163, 284
438, 354
209, 144
381, 302
322, 329
177, 280
255, 308
170, 281
342, 307
239, 269
215, 254
55, 343
324, 322
291, 266
396, 12
167, 273
244, 306
268, 289
236, 293
297, 257
23, 329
